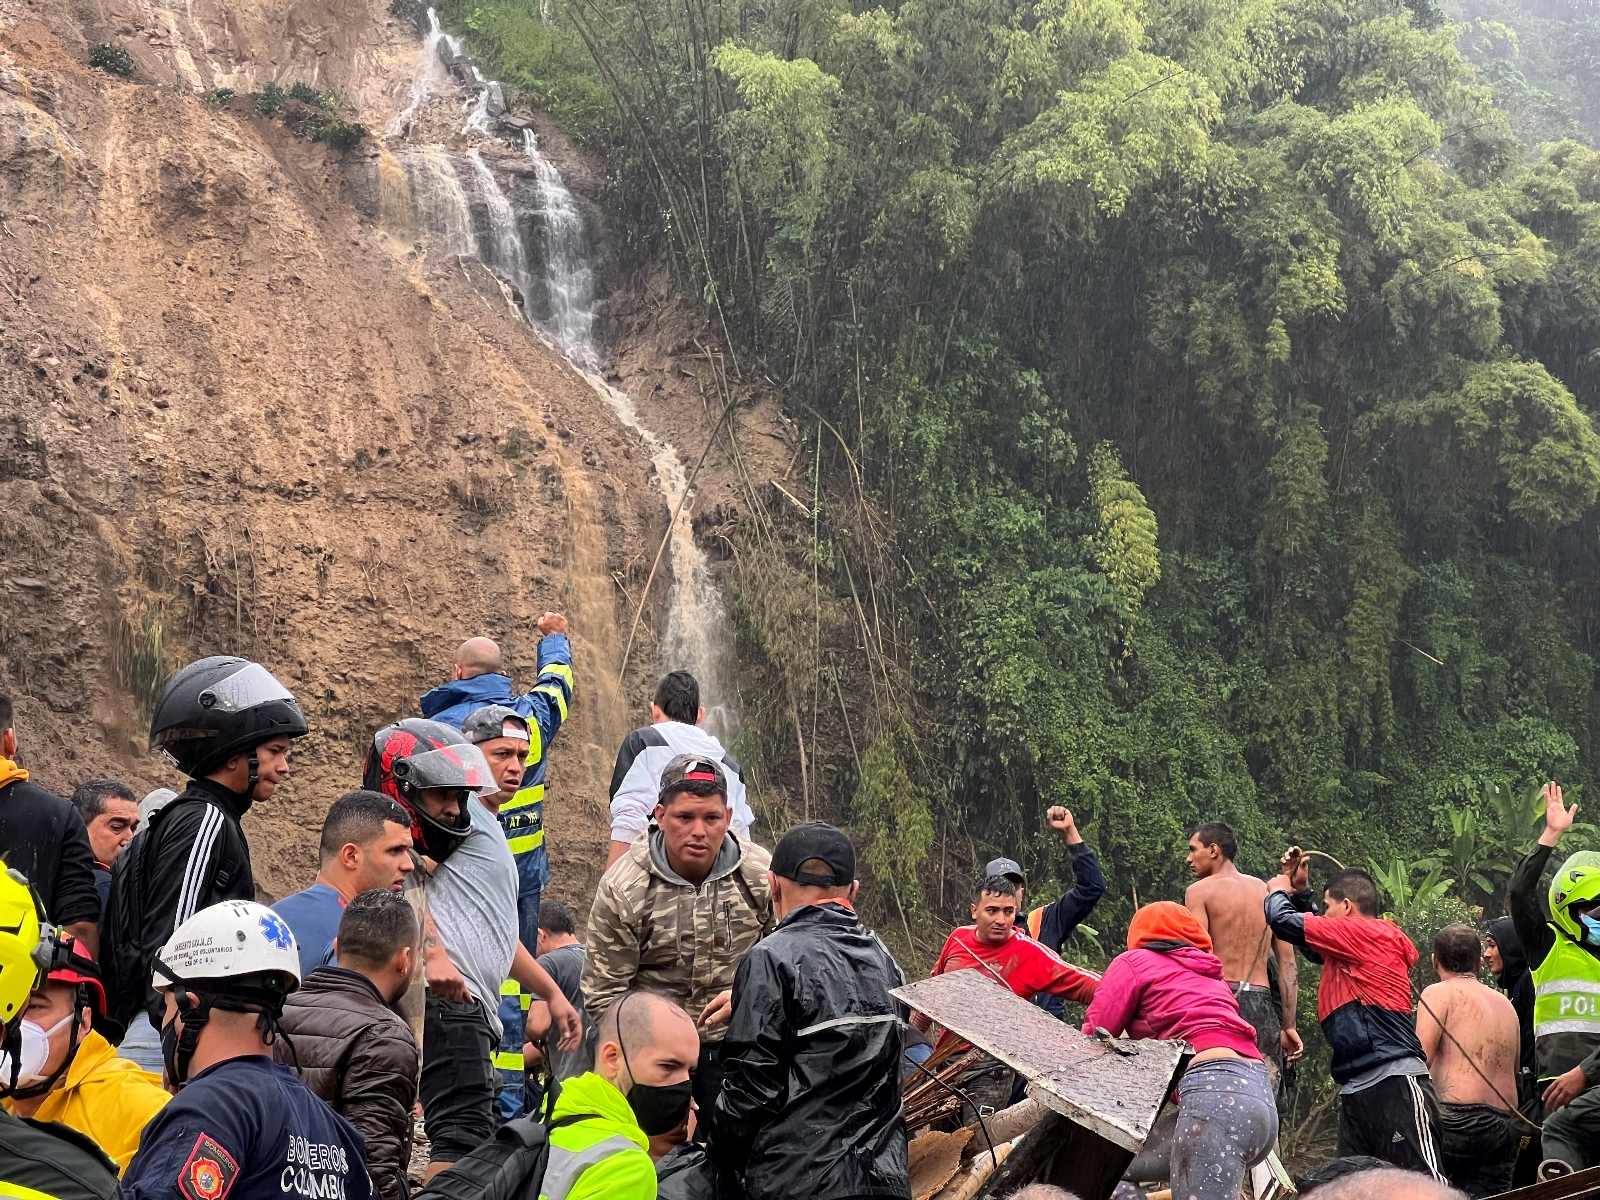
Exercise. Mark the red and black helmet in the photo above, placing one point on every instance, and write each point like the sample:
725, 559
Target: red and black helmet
70, 963
415, 755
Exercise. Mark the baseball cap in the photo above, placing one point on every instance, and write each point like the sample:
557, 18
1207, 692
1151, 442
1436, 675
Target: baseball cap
815, 839
494, 721
1009, 867
688, 769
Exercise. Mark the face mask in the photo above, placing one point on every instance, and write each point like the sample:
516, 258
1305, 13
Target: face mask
1591, 929
34, 1054
658, 1108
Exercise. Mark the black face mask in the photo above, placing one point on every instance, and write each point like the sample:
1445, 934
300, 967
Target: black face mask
659, 1108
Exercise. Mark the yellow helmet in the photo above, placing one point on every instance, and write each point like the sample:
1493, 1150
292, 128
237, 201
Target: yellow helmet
20, 944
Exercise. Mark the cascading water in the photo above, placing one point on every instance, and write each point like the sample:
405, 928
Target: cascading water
568, 276
696, 638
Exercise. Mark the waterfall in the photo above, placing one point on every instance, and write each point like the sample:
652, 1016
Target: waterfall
696, 637
504, 253
440, 203
430, 73
569, 279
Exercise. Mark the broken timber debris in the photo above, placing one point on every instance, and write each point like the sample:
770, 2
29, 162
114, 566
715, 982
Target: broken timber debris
1112, 1087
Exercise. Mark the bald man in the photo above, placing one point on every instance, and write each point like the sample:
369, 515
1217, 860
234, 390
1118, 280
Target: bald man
639, 1089
478, 680
1389, 1183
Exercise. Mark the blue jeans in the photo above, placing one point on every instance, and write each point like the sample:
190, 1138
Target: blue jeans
513, 1011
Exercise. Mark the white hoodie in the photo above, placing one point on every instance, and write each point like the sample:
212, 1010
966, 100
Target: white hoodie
636, 781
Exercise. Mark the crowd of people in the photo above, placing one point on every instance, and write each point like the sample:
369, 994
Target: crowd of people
722, 1023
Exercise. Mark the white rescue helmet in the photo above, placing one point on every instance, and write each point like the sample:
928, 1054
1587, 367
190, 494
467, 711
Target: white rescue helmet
237, 940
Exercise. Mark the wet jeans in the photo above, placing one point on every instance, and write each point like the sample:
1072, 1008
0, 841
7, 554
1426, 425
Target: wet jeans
1226, 1122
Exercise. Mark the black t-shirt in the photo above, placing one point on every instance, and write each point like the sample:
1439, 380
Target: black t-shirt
44, 837
51, 1160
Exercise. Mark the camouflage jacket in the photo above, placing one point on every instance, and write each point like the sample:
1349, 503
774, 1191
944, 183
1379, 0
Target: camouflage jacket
650, 928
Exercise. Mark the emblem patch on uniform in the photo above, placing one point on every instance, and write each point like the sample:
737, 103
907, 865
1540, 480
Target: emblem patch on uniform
209, 1173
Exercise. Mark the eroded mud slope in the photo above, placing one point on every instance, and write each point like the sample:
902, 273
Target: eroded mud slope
238, 416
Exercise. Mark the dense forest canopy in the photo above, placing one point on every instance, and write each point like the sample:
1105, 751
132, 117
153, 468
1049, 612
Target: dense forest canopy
1198, 398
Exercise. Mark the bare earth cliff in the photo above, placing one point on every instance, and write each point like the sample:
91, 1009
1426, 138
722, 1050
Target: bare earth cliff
241, 413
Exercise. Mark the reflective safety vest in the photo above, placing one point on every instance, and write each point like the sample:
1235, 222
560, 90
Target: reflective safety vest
1566, 1007
597, 1151
511, 1060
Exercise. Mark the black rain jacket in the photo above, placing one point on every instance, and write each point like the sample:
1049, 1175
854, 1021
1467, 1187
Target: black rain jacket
193, 855
811, 1102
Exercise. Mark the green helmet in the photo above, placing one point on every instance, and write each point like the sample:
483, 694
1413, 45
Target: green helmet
1577, 881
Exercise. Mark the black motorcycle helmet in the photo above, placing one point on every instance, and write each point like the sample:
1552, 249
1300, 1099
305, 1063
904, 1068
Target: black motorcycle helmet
411, 756
216, 707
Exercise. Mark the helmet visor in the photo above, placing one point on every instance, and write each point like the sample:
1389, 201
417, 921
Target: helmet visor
249, 687
458, 765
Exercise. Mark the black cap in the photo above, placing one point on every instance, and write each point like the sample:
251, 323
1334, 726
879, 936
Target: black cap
495, 721
686, 771
815, 839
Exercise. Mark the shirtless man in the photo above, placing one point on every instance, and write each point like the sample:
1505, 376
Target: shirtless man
1228, 905
1473, 1043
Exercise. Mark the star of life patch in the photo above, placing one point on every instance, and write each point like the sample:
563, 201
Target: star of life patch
209, 1173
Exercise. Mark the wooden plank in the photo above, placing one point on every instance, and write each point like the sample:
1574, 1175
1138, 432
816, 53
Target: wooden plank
1114, 1088
1581, 1185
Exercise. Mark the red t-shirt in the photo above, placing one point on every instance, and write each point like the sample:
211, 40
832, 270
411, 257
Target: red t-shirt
1364, 959
1024, 965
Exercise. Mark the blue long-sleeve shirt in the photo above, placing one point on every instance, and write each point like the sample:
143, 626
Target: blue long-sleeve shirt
1052, 924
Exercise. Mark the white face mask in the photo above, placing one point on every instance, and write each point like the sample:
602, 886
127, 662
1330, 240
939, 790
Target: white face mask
35, 1052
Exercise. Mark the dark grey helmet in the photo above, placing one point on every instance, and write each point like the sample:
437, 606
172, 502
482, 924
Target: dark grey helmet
217, 707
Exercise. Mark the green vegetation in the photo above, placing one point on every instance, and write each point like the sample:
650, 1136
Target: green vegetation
1542, 57
1196, 414
341, 135
108, 56
219, 95
316, 116
271, 99
546, 61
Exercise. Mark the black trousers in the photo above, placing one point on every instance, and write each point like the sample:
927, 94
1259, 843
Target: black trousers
1397, 1120
459, 1082
1480, 1144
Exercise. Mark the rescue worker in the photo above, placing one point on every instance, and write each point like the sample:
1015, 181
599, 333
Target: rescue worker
227, 724
479, 679
349, 1045
505, 739
43, 836
604, 1119
814, 1044
241, 1126
1564, 952
43, 1161
675, 719
1230, 907
470, 942
678, 911
83, 1082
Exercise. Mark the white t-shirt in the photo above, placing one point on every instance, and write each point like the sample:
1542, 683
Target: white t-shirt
473, 898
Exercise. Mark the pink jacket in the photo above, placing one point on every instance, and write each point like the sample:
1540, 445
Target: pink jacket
1173, 993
